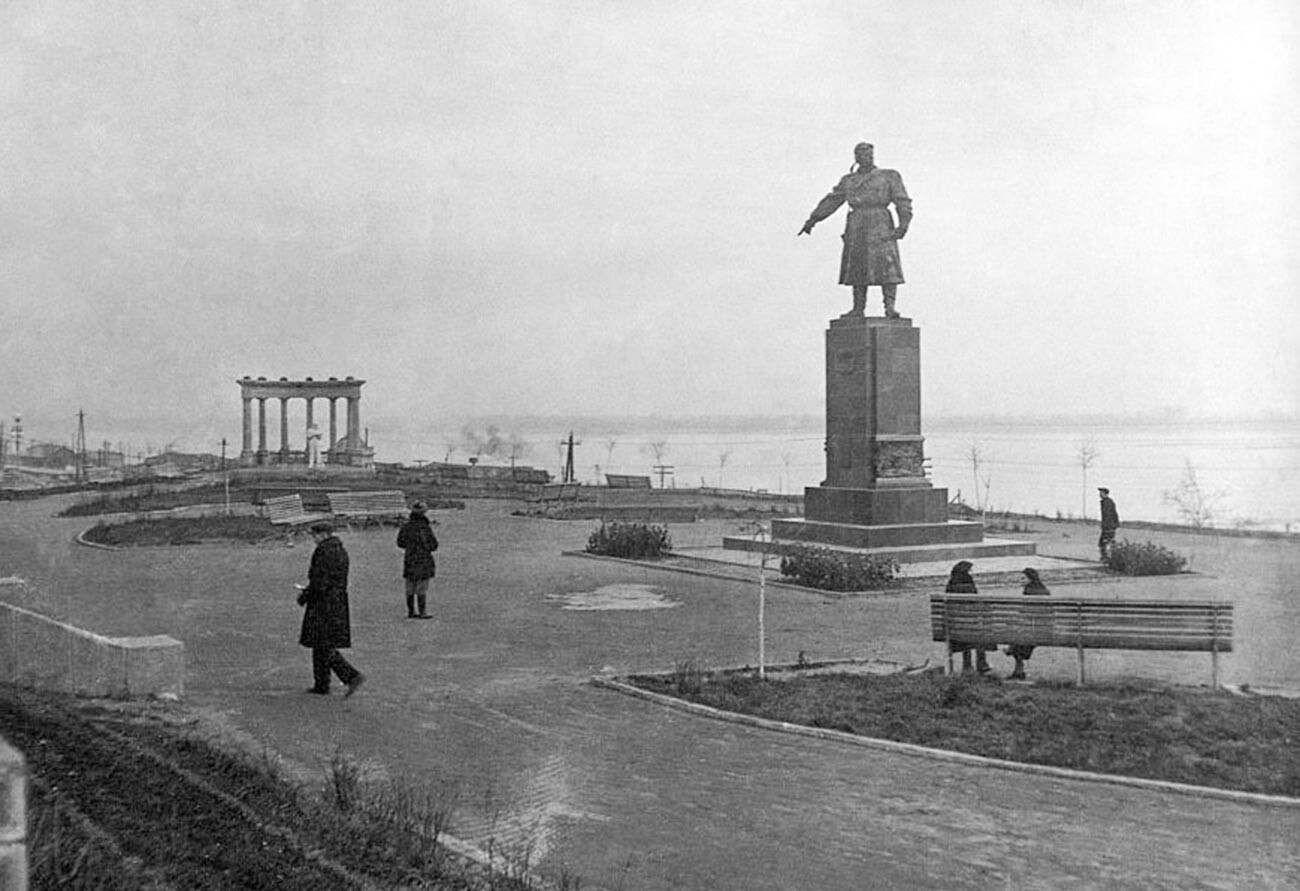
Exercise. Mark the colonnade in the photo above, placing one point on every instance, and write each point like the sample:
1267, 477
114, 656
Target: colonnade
259, 390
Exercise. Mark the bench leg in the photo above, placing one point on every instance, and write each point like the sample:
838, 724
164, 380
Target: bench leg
1081, 676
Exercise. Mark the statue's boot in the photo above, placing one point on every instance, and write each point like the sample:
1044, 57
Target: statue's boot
859, 303
890, 312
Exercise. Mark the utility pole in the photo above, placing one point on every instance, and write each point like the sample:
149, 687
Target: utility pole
568, 476
663, 470
80, 447
18, 439
225, 476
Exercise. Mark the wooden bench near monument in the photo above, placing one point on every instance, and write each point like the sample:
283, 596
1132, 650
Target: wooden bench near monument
371, 507
1084, 623
287, 510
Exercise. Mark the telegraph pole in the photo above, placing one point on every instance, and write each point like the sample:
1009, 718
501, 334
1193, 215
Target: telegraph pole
568, 475
225, 475
663, 470
80, 447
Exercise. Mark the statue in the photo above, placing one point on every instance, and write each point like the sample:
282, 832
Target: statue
870, 235
313, 446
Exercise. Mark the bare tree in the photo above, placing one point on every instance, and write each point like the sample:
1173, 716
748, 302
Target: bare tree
658, 449
1193, 503
786, 458
516, 447
1086, 453
978, 459
723, 457
610, 444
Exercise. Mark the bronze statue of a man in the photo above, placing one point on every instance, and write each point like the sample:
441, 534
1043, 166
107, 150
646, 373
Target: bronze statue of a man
870, 235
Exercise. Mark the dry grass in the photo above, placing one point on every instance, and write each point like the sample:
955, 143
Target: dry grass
1184, 735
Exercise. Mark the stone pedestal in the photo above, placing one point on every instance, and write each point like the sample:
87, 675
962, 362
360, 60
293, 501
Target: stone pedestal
876, 495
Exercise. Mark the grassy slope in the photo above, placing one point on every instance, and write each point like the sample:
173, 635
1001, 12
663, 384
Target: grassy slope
1158, 732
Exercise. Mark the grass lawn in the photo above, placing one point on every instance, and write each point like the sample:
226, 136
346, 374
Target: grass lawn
183, 530
1183, 735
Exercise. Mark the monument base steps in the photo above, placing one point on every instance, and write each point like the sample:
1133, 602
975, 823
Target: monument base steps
918, 553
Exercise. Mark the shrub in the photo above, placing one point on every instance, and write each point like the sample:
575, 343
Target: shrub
631, 540
1148, 558
833, 570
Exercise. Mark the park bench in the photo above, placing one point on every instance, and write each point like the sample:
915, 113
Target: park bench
552, 495
625, 481
557, 493
368, 507
1084, 623
287, 510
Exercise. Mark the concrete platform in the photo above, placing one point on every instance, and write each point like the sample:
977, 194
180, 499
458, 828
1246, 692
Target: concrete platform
991, 568
919, 553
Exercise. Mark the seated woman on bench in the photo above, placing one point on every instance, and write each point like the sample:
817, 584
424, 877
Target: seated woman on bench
960, 582
1021, 653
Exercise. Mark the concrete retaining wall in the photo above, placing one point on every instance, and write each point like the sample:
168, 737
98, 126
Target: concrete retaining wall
13, 819
37, 651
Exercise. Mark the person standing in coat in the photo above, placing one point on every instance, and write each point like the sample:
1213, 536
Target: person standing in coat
1021, 652
1109, 523
961, 582
416, 538
326, 621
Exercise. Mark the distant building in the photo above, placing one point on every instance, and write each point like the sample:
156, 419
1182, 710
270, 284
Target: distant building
44, 454
183, 462
106, 457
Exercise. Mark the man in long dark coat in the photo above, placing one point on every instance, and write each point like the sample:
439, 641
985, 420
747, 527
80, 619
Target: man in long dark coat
327, 623
1109, 523
870, 255
416, 538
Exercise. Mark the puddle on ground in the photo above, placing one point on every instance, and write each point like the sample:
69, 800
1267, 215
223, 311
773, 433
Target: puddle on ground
615, 597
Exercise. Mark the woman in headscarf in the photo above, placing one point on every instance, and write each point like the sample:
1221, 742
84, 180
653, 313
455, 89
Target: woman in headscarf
960, 582
416, 538
1020, 652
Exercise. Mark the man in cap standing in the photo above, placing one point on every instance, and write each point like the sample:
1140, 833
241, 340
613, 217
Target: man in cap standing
870, 255
326, 622
1109, 523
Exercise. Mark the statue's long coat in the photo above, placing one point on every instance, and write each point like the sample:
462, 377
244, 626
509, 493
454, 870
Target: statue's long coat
870, 254
326, 622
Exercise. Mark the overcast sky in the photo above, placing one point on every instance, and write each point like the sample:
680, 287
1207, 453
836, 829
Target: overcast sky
591, 207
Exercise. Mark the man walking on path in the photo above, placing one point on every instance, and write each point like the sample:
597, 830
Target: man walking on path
416, 538
1109, 523
326, 623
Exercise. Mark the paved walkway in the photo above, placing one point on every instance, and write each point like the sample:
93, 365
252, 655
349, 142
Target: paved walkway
491, 699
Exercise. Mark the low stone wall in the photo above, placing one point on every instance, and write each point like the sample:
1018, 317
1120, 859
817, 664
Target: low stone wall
13, 819
37, 651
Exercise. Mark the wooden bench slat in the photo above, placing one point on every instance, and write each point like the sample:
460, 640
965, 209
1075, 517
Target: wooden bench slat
368, 505
627, 481
1191, 626
287, 510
